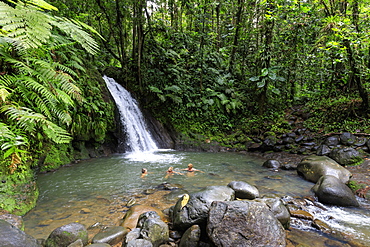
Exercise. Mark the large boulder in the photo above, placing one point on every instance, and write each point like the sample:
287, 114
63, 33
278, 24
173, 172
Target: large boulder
345, 156
193, 209
244, 223
243, 190
330, 190
66, 235
12, 236
314, 167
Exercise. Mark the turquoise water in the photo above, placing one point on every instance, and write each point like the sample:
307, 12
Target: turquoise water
89, 191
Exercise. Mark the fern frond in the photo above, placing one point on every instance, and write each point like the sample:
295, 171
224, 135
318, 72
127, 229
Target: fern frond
56, 133
77, 34
42, 4
28, 120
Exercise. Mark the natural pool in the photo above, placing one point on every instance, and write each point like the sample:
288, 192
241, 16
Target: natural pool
93, 190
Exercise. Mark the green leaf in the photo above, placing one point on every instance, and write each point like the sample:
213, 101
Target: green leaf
261, 83
264, 71
254, 78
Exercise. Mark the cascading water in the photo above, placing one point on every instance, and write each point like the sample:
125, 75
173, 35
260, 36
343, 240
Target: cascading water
138, 138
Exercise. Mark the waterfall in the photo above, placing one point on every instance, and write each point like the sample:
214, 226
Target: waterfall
138, 138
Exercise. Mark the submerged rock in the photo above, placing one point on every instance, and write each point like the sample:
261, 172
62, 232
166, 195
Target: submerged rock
66, 235
132, 216
111, 235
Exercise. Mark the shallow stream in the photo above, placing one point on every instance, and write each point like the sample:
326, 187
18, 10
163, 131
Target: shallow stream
96, 191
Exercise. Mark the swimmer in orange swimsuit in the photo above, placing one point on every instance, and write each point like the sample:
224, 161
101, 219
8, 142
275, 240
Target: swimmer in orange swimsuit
144, 172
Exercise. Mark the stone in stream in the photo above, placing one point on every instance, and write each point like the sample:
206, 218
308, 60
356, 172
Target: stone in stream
191, 237
66, 235
331, 190
132, 215
243, 190
271, 163
313, 167
111, 235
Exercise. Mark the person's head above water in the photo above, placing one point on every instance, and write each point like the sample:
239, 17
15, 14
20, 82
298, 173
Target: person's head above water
190, 166
170, 169
144, 170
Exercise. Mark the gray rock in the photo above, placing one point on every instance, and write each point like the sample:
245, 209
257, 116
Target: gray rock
111, 235
345, 156
244, 190
190, 237
15, 220
196, 209
330, 190
332, 141
139, 243
12, 236
244, 223
271, 164
67, 234
155, 231
132, 235
278, 208
100, 245
147, 215
323, 150
77, 243
313, 167
347, 138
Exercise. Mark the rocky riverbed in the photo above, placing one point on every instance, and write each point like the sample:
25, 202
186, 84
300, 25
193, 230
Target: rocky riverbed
111, 213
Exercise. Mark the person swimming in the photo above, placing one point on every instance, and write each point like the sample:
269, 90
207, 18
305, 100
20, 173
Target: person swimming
170, 172
191, 169
144, 172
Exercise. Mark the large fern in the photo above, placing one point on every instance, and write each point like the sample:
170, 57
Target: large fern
37, 89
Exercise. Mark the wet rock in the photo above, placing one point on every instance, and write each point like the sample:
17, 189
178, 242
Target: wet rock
278, 208
132, 235
322, 226
12, 236
168, 186
331, 190
244, 223
174, 195
191, 237
272, 164
244, 190
132, 216
155, 231
111, 235
15, 220
139, 243
67, 234
288, 140
301, 214
313, 167
332, 141
77, 243
99, 245
347, 139
323, 150
147, 215
269, 143
345, 156
195, 211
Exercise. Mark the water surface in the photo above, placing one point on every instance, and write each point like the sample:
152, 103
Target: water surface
94, 190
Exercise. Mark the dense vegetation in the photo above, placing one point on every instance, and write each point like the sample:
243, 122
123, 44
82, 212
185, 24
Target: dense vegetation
222, 69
